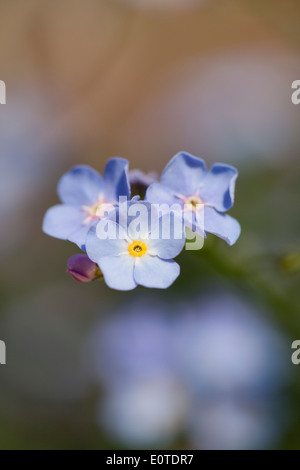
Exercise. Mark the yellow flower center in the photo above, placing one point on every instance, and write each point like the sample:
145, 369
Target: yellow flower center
137, 248
93, 210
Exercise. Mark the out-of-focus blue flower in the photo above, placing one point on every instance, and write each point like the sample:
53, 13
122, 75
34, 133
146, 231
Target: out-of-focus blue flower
139, 181
138, 177
27, 160
130, 255
132, 345
131, 356
236, 350
236, 363
204, 195
235, 423
227, 365
149, 411
86, 196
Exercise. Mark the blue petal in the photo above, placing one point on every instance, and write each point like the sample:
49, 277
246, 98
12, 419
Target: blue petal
118, 271
184, 173
218, 186
157, 193
79, 236
135, 217
222, 225
82, 185
168, 248
61, 221
116, 179
195, 222
151, 271
97, 247
138, 219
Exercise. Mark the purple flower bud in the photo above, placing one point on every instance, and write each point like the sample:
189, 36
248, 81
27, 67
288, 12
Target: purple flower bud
82, 269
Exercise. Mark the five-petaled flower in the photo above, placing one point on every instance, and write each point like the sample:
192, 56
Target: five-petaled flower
129, 257
86, 196
203, 195
187, 196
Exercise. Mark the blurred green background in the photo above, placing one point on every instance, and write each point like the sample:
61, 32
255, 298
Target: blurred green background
140, 79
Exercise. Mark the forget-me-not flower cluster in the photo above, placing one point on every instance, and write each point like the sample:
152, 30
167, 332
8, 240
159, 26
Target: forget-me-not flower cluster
138, 248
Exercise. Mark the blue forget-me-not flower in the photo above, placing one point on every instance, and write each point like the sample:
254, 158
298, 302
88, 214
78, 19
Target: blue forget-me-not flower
86, 196
204, 195
129, 253
91, 214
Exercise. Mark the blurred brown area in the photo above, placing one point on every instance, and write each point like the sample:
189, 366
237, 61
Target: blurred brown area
100, 63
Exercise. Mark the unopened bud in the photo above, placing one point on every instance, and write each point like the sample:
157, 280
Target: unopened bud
82, 269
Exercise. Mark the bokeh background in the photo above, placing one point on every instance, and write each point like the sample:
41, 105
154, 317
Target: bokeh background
206, 363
